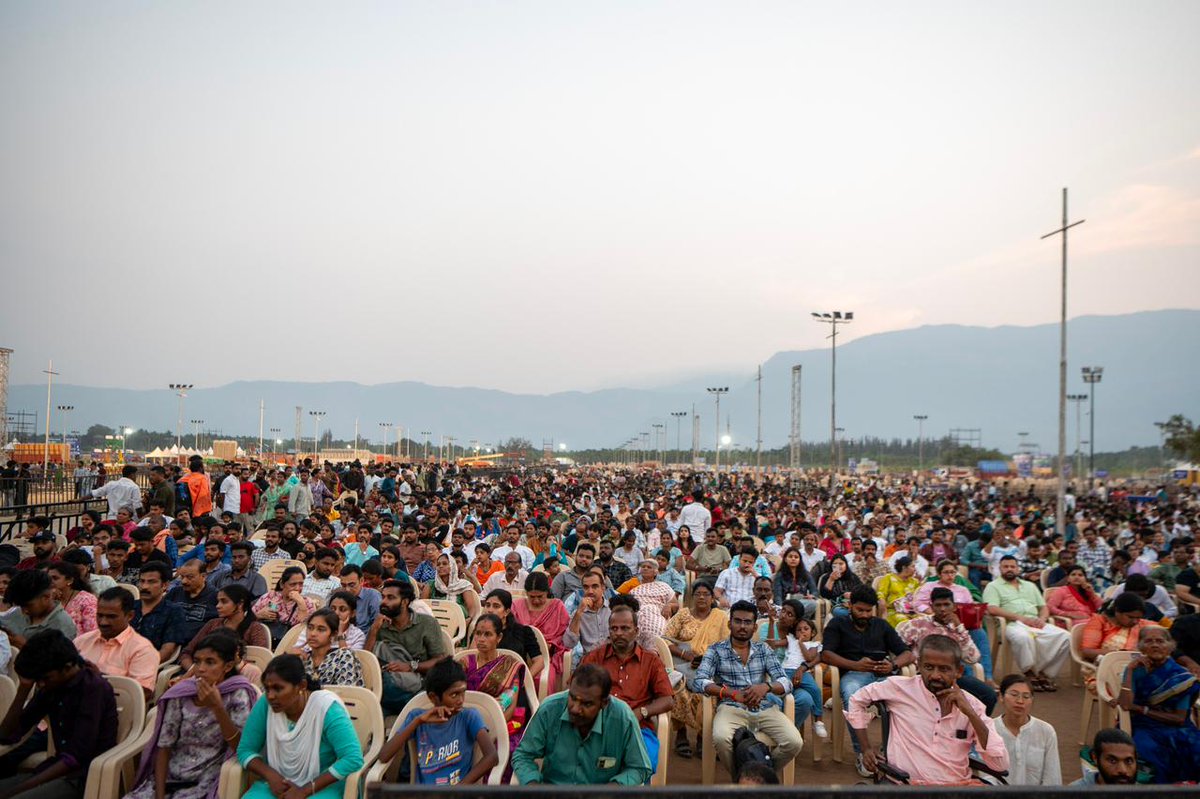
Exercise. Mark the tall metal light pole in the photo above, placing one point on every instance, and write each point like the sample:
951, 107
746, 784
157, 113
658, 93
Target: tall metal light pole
1092, 375
427, 434
1061, 505
65, 410
385, 426
921, 439
833, 319
181, 390
275, 431
316, 417
50, 373
1078, 399
196, 432
695, 435
837, 464
758, 442
678, 435
658, 431
717, 392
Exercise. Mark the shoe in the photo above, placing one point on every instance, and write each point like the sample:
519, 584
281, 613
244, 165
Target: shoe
819, 729
862, 770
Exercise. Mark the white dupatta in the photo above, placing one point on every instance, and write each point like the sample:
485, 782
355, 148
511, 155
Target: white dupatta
296, 752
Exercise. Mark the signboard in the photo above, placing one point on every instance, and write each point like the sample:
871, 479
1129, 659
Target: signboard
1101, 473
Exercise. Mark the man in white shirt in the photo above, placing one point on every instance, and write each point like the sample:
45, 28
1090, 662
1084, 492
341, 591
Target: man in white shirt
810, 553
512, 543
737, 582
231, 491
697, 518
511, 579
120, 493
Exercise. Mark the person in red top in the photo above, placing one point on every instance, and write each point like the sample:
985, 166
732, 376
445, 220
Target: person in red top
200, 488
639, 678
833, 543
249, 504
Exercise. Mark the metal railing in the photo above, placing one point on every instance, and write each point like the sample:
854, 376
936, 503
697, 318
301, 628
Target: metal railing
55, 488
63, 516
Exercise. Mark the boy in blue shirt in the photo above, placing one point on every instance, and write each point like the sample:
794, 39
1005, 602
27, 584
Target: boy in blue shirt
447, 733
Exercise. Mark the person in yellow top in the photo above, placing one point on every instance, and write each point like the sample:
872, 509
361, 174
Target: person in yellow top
896, 590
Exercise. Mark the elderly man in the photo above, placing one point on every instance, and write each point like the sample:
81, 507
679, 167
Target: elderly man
197, 601
511, 579
1039, 649
933, 724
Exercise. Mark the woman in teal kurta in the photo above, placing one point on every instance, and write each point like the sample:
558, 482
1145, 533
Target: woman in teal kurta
292, 720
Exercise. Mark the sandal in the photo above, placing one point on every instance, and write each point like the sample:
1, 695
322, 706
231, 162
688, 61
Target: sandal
683, 748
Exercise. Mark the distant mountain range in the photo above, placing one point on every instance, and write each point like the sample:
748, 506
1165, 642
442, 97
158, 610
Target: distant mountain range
1000, 380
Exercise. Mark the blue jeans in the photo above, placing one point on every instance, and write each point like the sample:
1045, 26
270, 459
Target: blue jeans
851, 681
980, 639
839, 611
807, 696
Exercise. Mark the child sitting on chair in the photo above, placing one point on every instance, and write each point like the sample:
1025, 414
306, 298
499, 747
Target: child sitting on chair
446, 733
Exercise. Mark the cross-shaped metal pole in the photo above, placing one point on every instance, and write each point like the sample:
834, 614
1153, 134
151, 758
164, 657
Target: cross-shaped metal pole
1060, 522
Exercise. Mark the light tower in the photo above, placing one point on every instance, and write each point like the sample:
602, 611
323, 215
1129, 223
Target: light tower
181, 390
716, 392
833, 319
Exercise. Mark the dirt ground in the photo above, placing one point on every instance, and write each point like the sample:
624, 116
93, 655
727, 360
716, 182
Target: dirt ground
1061, 710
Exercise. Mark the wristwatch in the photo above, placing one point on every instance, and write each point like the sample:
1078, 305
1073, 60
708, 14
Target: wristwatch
645, 711
412, 664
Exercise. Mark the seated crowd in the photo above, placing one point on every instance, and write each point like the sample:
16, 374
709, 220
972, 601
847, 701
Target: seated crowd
602, 615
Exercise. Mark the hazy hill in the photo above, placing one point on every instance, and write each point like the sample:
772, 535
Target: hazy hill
1000, 379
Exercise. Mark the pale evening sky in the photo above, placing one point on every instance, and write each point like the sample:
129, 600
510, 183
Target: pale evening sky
539, 196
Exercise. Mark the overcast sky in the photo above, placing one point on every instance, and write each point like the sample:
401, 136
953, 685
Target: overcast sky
540, 196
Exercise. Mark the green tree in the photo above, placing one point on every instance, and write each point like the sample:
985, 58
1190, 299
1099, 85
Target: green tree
1182, 437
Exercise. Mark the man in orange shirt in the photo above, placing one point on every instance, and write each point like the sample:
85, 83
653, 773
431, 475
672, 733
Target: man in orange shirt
200, 488
115, 647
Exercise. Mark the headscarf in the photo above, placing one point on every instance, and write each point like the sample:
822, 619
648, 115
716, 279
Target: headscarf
455, 585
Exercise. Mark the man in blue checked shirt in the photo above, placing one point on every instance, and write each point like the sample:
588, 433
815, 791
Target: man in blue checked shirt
740, 672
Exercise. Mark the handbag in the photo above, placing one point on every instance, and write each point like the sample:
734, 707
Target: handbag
971, 614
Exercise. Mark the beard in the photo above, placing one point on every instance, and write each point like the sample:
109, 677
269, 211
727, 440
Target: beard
390, 612
935, 686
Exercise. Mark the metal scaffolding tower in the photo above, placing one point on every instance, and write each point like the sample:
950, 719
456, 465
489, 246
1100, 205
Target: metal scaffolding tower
794, 437
967, 437
4, 353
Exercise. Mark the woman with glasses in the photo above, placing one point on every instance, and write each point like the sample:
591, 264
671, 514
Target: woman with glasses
1032, 744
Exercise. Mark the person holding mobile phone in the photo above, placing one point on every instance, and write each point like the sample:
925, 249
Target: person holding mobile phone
865, 648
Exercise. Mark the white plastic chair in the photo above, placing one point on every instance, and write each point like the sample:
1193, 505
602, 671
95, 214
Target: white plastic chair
493, 716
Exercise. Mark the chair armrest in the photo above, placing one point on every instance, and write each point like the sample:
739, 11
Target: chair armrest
886, 769
978, 765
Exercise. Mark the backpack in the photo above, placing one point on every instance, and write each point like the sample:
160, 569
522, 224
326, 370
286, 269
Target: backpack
183, 497
748, 749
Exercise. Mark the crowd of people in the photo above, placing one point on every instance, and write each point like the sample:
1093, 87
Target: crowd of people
636, 595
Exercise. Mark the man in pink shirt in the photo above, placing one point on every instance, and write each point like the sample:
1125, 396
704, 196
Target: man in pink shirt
933, 723
115, 647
